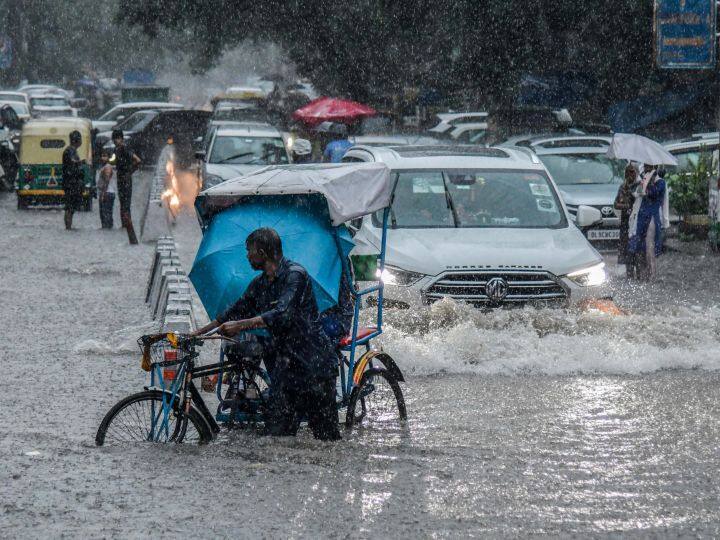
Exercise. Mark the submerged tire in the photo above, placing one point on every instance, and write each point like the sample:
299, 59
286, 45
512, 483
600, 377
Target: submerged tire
376, 399
130, 420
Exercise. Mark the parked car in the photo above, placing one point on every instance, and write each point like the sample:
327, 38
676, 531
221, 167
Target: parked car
133, 123
50, 106
37, 89
688, 152
480, 225
19, 107
238, 149
148, 133
584, 175
124, 110
449, 121
392, 140
16, 97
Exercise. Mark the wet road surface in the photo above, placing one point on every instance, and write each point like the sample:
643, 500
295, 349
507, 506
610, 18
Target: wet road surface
522, 422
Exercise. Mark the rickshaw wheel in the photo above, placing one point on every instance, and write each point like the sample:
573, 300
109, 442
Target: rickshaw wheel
22, 202
378, 398
129, 421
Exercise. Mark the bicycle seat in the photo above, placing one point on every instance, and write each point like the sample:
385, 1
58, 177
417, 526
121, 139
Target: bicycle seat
362, 332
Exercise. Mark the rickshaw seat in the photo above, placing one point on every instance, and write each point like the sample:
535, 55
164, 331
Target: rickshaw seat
363, 332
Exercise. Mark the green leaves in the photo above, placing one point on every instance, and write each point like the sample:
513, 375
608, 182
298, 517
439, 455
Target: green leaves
689, 187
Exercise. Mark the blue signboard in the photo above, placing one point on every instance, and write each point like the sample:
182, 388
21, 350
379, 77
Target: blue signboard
685, 34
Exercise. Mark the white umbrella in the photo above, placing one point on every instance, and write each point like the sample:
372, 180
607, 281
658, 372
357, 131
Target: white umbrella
641, 149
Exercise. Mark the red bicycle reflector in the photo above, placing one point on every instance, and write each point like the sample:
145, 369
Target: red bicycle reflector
169, 372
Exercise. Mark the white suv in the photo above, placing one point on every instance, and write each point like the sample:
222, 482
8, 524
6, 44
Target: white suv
482, 225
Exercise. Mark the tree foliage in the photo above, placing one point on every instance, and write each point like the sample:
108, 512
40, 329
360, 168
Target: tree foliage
371, 49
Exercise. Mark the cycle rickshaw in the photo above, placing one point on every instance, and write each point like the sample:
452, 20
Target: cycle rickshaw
315, 201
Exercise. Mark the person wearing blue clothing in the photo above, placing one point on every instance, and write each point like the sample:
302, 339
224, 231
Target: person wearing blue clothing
336, 148
646, 222
300, 358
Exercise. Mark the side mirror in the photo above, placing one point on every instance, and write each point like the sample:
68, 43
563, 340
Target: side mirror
587, 216
200, 155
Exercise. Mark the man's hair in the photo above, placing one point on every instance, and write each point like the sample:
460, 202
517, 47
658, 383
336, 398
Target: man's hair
75, 137
117, 134
268, 240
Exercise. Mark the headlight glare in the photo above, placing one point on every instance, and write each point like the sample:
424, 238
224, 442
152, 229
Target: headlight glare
592, 276
396, 276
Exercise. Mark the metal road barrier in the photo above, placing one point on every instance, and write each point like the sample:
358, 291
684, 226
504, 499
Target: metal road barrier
156, 223
169, 292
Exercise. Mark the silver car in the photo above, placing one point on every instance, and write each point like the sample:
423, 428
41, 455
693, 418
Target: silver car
237, 149
584, 176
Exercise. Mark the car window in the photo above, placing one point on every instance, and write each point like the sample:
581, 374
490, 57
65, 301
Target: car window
48, 101
135, 122
583, 169
11, 97
248, 150
474, 198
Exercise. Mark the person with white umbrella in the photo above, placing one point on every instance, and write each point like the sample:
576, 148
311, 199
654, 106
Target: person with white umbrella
646, 220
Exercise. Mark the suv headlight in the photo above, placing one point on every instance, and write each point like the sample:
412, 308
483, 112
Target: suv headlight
591, 276
397, 276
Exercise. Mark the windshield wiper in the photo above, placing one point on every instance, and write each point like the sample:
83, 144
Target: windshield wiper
235, 157
450, 203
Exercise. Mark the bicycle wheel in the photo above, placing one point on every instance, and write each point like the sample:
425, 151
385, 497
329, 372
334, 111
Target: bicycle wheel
139, 418
378, 397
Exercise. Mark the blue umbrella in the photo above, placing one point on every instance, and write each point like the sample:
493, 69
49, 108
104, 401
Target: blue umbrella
221, 271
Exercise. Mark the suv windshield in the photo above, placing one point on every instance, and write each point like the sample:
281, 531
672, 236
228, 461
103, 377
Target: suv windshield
248, 150
583, 168
474, 198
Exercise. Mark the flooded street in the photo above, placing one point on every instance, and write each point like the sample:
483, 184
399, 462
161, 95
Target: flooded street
521, 422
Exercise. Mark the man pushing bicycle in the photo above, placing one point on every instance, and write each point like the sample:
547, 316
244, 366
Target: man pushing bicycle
300, 359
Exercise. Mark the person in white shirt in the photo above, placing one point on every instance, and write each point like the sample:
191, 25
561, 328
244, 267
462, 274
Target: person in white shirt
106, 182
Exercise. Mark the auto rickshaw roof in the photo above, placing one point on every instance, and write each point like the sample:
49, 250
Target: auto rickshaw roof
57, 126
36, 132
351, 190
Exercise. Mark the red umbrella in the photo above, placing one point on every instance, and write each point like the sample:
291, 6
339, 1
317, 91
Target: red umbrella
325, 109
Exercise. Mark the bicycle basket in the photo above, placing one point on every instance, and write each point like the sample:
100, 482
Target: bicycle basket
163, 352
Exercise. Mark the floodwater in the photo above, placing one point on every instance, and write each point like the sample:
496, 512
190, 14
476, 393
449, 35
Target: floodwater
522, 422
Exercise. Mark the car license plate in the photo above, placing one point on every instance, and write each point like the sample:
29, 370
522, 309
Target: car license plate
604, 234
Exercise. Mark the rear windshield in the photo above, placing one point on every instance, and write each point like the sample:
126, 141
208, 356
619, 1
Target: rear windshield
474, 198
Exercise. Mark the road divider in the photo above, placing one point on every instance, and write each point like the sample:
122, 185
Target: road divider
169, 292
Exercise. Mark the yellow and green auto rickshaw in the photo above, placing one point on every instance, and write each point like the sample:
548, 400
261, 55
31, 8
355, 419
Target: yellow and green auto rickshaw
42, 142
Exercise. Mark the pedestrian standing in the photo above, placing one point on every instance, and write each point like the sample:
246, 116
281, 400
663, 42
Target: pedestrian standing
302, 151
106, 183
646, 222
624, 203
126, 163
72, 177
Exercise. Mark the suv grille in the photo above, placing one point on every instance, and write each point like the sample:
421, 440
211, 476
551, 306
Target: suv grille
522, 286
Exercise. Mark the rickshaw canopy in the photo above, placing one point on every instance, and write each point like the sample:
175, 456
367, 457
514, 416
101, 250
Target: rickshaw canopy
350, 190
43, 141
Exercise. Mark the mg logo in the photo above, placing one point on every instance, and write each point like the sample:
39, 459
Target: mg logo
496, 289
607, 211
